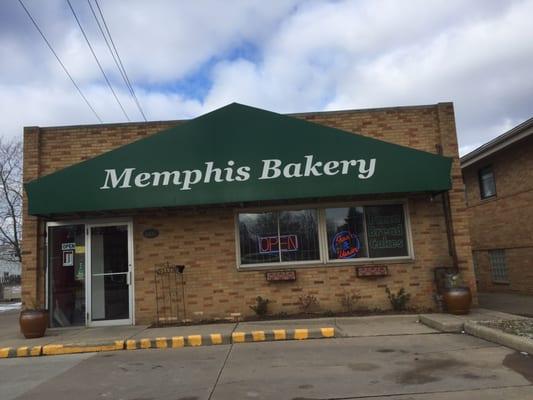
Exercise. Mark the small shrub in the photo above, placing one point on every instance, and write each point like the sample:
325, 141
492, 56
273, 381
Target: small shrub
454, 280
261, 306
308, 303
398, 300
349, 300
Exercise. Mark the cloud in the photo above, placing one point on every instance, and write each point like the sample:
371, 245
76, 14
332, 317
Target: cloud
187, 58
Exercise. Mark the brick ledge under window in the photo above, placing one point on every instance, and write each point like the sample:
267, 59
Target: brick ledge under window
411, 260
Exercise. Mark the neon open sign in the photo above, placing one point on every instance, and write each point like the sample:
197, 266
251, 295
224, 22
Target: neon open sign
274, 244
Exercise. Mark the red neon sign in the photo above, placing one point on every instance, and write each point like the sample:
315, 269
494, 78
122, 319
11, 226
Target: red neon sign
273, 244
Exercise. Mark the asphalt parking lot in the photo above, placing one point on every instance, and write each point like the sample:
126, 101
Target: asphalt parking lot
411, 366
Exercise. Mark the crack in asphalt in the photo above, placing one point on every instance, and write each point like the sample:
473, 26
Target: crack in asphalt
223, 365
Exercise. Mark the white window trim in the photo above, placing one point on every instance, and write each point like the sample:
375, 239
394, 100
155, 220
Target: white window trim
324, 260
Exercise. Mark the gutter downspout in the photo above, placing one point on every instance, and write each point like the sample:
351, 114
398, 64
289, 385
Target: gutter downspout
449, 228
449, 222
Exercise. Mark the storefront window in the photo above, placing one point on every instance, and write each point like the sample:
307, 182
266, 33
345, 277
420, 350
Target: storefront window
348, 233
274, 237
300, 228
385, 228
258, 233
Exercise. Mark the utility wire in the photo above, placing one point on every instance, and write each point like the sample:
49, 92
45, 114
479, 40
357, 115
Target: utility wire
116, 57
60, 62
97, 61
119, 59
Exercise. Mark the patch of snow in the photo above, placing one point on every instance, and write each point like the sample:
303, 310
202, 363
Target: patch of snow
9, 306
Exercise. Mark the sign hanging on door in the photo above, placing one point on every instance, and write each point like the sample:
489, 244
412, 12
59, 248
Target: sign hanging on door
68, 246
68, 254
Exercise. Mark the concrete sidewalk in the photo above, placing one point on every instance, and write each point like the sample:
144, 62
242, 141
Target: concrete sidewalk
74, 340
473, 324
449, 323
81, 339
519, 304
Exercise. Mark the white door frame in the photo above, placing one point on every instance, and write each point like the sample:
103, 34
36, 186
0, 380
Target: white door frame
130, 277
87, 224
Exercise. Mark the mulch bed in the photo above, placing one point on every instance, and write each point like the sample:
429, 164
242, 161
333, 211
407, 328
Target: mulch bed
519, 327
285, 316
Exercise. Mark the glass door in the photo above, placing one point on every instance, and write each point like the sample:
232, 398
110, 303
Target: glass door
66, 275
110, 285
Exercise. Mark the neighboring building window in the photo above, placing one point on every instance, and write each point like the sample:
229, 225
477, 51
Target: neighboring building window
275, 237
487, 184
344, 233
475, 265
498, 266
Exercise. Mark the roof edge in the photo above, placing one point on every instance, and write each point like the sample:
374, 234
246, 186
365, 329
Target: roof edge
374, 109
177, 121
519, 132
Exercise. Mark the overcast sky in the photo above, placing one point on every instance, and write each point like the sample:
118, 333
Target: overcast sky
186, 58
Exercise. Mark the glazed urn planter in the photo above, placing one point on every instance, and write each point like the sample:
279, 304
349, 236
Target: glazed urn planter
458, 300
33, 323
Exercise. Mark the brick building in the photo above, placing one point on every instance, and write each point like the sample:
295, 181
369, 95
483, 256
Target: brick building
236, 196
499, 185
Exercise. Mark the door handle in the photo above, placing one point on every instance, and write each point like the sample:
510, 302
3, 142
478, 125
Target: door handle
128, 278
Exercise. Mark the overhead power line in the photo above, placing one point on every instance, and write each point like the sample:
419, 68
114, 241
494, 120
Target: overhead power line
115, 55
59, 61
97, 61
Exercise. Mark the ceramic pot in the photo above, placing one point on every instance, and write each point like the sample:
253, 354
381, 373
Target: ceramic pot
458, 300
33, 323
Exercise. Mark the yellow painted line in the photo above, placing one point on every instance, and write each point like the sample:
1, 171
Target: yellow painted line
55, 349
131, 344
194, 340
280, 334
238, 337
177, 341
216, 338
301, 334
22, 351
159, 342
4, 352
35, 351
52, 349
327, 332
78, 349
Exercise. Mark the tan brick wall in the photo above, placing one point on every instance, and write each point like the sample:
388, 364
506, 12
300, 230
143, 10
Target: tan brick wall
215, 287
213, 284
506, 220
30, 249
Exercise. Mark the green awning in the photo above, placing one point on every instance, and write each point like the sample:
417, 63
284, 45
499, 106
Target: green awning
238, 154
